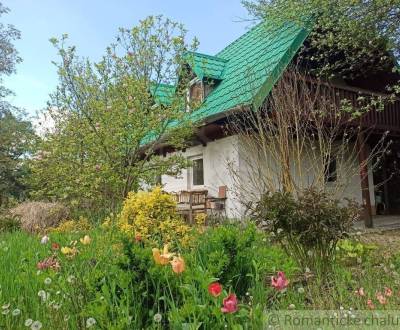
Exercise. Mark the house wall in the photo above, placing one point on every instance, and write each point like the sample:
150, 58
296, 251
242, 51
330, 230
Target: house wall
218, 156
247, 172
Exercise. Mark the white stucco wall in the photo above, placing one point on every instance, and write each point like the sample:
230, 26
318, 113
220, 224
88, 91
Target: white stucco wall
216, 157
246, 172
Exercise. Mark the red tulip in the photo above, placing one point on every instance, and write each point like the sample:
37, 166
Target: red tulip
55, 246
280, 282
230, 304
215, 289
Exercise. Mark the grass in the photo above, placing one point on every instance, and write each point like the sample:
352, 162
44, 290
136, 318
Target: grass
120, 287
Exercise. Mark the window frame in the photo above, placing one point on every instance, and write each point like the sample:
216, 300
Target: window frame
191, 176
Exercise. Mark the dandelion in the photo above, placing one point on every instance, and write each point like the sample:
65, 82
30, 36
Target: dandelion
215, 289
6, 306
90, 322
66, 318
36, 325
44, 240
43, 295
16, 312
28, 322
71, 279
47, 281
292, 306
300, 290
280, 282
157, 318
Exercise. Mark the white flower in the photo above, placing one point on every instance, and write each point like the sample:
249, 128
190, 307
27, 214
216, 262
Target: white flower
292, 306
56, 306
47, 281
28, 322
44, 240
36, 325
5, 311
43, 295
66, 318
6, 306
90, 322
279, 231
300, 290
71, 279
157, 318
16, 312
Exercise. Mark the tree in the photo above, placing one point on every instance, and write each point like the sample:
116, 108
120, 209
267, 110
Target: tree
301, 139
348, 38
16, 133
112, 116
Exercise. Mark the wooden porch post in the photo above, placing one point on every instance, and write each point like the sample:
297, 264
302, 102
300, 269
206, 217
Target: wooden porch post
366, 200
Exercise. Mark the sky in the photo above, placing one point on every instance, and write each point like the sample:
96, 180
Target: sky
92, 26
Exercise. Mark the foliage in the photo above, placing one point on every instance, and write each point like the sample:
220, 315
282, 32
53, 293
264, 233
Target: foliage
108, 123
8, 56
348, 38
308, 227
8, 223
353, 251
16, 140
72, 226
152, 216
233, 253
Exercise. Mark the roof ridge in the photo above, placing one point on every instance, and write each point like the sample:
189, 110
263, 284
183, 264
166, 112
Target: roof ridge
214, 57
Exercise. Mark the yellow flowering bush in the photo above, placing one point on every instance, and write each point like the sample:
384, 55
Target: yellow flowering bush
152, 216
71, 226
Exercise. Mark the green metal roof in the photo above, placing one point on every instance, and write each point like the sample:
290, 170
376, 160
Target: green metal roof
247, 69
253, 64
162, 93
206, 66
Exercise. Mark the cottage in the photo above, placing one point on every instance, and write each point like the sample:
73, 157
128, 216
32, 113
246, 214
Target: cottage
240, 78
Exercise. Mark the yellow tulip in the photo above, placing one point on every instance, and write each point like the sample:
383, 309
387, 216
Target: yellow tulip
86, 240
69, 251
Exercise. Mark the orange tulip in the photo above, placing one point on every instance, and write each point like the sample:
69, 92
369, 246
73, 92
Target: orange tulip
162, 258
178, 265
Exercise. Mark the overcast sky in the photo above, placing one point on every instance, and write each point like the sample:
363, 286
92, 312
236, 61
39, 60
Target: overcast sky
93, 24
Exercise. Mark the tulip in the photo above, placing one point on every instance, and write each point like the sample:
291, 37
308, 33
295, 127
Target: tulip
178, 265
381, 298
370, 304
162, 258
280, 282
360, 292
388, 292
215, 289
55, 246
86, 240
229, 304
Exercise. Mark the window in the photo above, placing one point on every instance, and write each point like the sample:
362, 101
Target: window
194, 94
330, 170
198, 172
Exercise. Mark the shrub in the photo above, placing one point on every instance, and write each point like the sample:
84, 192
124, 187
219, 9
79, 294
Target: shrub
9, 223
308, 227
71, 226
38, 216
236, 253
152, 216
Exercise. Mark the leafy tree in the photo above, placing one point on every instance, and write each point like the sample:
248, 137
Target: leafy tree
16, 133
349, 38
110, 117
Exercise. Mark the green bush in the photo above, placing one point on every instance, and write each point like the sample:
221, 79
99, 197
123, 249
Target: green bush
308, 227
9, 223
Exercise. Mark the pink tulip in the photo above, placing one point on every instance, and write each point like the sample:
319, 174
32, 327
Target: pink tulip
230, 304
280, 282
360, 292
381, 298
370, 304
388, 292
